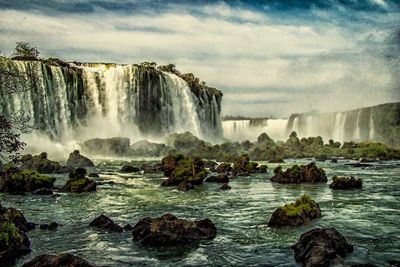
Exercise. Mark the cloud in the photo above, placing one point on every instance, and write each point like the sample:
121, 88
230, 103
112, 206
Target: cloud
267, 60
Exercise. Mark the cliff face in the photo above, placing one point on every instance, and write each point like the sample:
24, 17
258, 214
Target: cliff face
111, 99
379, 123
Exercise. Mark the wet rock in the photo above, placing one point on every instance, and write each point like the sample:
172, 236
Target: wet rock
78, 183
42, 164
76, 160
168, 230
225, 187
14, 243
189, 170
62, 260
169, 164
157, 168
17, 218
303, 211
128, 227
309, 173
129, 169
185, 186
51, 226
394, 263
42, 191
334, 160
221, 178
262, 169
93, 175
345, 183
16, 181
321, 247
105, 223
359, 165
224, 167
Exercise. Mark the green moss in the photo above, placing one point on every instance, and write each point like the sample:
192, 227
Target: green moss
32, 176
77, 182
305, 204
9, 234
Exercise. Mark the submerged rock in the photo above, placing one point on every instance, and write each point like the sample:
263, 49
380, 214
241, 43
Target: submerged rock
321, 247
42, 164
62, 260
51, 226
309, 173
168, 230
17, 181
105, 223
345, 183
303, 211
225, 187
129, 169
185, 186
221, 178
157, 168
76, 160
42, 191
78, 183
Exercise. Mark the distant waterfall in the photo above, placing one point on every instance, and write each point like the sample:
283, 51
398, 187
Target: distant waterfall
240, 130
106, 100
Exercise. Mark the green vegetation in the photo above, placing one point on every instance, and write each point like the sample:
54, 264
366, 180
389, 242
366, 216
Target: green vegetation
9, 234
189, 170
32, 176
304, 205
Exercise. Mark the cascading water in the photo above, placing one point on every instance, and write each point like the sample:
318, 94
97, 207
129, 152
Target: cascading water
78, 102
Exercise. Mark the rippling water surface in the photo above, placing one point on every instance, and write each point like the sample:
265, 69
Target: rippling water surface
368, 218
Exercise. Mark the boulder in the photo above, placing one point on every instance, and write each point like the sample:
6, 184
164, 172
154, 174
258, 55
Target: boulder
221, 178
321, 247
243, 166
17, 181
189, 170
309, 173
105, 223
78, 183
76, 160
14, 243
225, 187
345, 183
42, 191
147, 168
62, 260
42, 164
303, 211
168, 230
224, 167
185, 186
129, 169
17, 218
117, 146
169, 164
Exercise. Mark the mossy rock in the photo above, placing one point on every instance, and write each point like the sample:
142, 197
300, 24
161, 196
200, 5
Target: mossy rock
78, 183
301, 212
189, 170
42, 164
346, 183
17, 181
309, 173
13, 242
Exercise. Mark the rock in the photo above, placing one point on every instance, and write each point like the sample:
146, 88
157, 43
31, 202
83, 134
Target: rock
359, 165
17, 181
42, 164
51, 226
157, 168
128, 227
224, 167
105, 223
76, 160
225, 187
334, 160
309, 173
42, 191
129, 169
78, 183
17, 218
189, 170
221, 178
321, 247
168, 230
394, 263
264, 139
185, 186
14, 243
169, 164
345, 183
107, 147
93, 175
303, 211
62, 260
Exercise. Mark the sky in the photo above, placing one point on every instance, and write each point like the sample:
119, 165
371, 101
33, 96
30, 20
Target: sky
269, 58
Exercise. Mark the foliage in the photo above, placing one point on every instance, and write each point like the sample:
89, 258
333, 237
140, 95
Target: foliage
31, 176
304, 205
9, 234
25, 50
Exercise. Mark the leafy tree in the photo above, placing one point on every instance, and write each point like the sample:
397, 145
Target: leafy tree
23, 49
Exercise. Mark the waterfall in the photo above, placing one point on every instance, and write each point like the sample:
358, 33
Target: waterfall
83, 101
240, 130
339, 130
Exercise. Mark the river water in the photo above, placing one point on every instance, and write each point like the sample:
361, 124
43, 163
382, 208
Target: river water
368, 218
